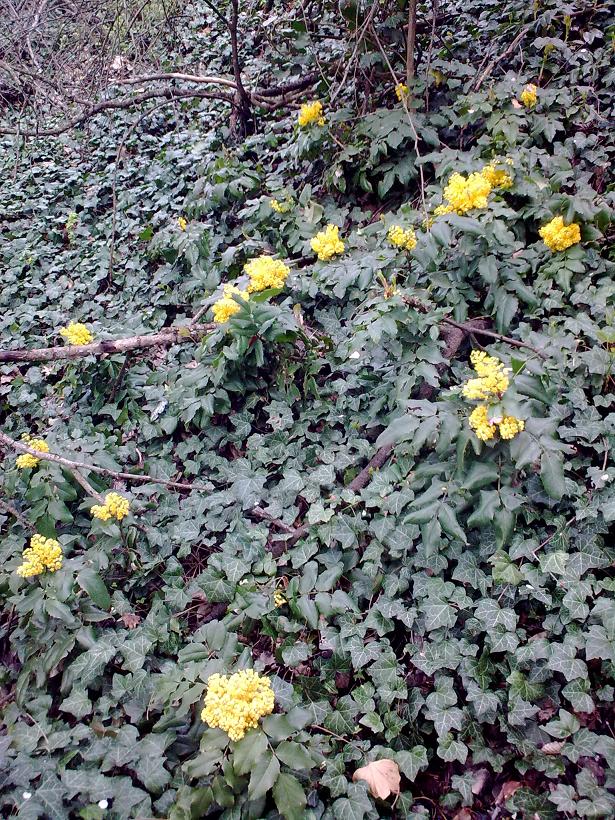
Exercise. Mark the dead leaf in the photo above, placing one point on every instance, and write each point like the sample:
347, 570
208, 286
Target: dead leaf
552, 748
130, 620
507, 790
516, 104
382, 777
480, 778
463, 814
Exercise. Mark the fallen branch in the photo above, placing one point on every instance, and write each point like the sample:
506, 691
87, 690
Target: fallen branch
173, 335
123, 102
71, 465
375, 463
511, 47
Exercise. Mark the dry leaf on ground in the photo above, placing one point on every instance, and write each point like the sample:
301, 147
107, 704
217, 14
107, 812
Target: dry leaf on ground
382, 777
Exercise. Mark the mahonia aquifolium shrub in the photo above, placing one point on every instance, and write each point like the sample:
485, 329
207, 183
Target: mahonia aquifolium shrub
115, 506
490, 386
227, 306
266, 272
529, 95
43, 555
559, 237
236, 703
27, 460
454, 615
404, 238
327, 243
76, 333
311, 113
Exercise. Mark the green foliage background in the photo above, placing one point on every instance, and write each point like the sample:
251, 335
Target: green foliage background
456, 614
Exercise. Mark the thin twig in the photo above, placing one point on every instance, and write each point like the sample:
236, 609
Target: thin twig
9, 508
470, 328
82, 465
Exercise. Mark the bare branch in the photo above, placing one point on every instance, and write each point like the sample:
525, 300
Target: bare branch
82, 465
173, 335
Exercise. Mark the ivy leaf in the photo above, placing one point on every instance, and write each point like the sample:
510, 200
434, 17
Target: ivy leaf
412, 762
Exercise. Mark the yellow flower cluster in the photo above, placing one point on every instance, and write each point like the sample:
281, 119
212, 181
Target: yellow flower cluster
327, 243
496, 178
529, 95
510, 426
402, 238
26, 460
277, 206
479, 422
490, 386
462, 194
557, 236
311, 113
43, 555
226, 306
76, 334
492, 379
182, 222
401, 91
266, 272
115, 506
279, 599
235, 704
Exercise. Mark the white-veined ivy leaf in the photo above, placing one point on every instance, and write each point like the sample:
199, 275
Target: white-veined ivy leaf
412, 762
355, 805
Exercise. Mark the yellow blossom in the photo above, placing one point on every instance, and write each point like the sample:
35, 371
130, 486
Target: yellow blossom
276, 206
557, 236
311, 113
529, 95
496, 178
492, 381
236, 703
279, 599
479, 422
462, 193
26, 461
226, 306
510, 426
327, 243
401, 91
43, 555
115, 506
183, 223
76, 334
266, 272
402, 238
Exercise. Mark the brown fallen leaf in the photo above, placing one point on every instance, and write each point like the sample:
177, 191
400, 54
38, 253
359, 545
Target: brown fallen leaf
382, 777
130, 620
552, 748
507, 790
463, 814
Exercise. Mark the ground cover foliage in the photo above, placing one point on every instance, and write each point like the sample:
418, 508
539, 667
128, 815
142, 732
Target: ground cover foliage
453, 611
